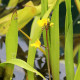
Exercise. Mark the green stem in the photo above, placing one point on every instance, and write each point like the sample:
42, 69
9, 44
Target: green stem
44, 8
42, 50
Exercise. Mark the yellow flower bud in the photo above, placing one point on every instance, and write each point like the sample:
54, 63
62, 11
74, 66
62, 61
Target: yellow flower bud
43, 22
51, 24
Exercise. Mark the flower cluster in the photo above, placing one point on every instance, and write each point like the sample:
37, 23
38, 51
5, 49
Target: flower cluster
44, 22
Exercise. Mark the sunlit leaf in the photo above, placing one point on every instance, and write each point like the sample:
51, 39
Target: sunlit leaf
11, 45
22, 64
12, 38
54, 46
69, 65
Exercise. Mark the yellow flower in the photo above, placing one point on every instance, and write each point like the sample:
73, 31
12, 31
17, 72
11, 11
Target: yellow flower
37, 44
43, 22
51, 24
40, 23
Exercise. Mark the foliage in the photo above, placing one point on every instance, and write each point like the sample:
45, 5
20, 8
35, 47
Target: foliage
11, 45
77, 75
45, 24
69, 65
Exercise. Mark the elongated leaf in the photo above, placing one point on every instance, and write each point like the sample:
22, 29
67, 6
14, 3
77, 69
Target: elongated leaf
54, 49
12, 38
69, 54
11, 45
44, 7
69, 65
22, 64
77, 75
35, 34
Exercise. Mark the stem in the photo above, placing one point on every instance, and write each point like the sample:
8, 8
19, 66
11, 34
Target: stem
48, 55
42, 51
24, 34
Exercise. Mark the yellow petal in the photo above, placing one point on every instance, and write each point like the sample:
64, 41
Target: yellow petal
37, 44
44, 21
40, 23
51, 24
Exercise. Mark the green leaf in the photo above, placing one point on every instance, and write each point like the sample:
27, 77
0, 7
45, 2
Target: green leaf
11, 45
44, 7
69, 54
69, 64
22, 64
35, 34
77, 75
12, 38
54, 46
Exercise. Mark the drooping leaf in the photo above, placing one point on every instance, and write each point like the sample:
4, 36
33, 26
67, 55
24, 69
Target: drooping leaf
22, 64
